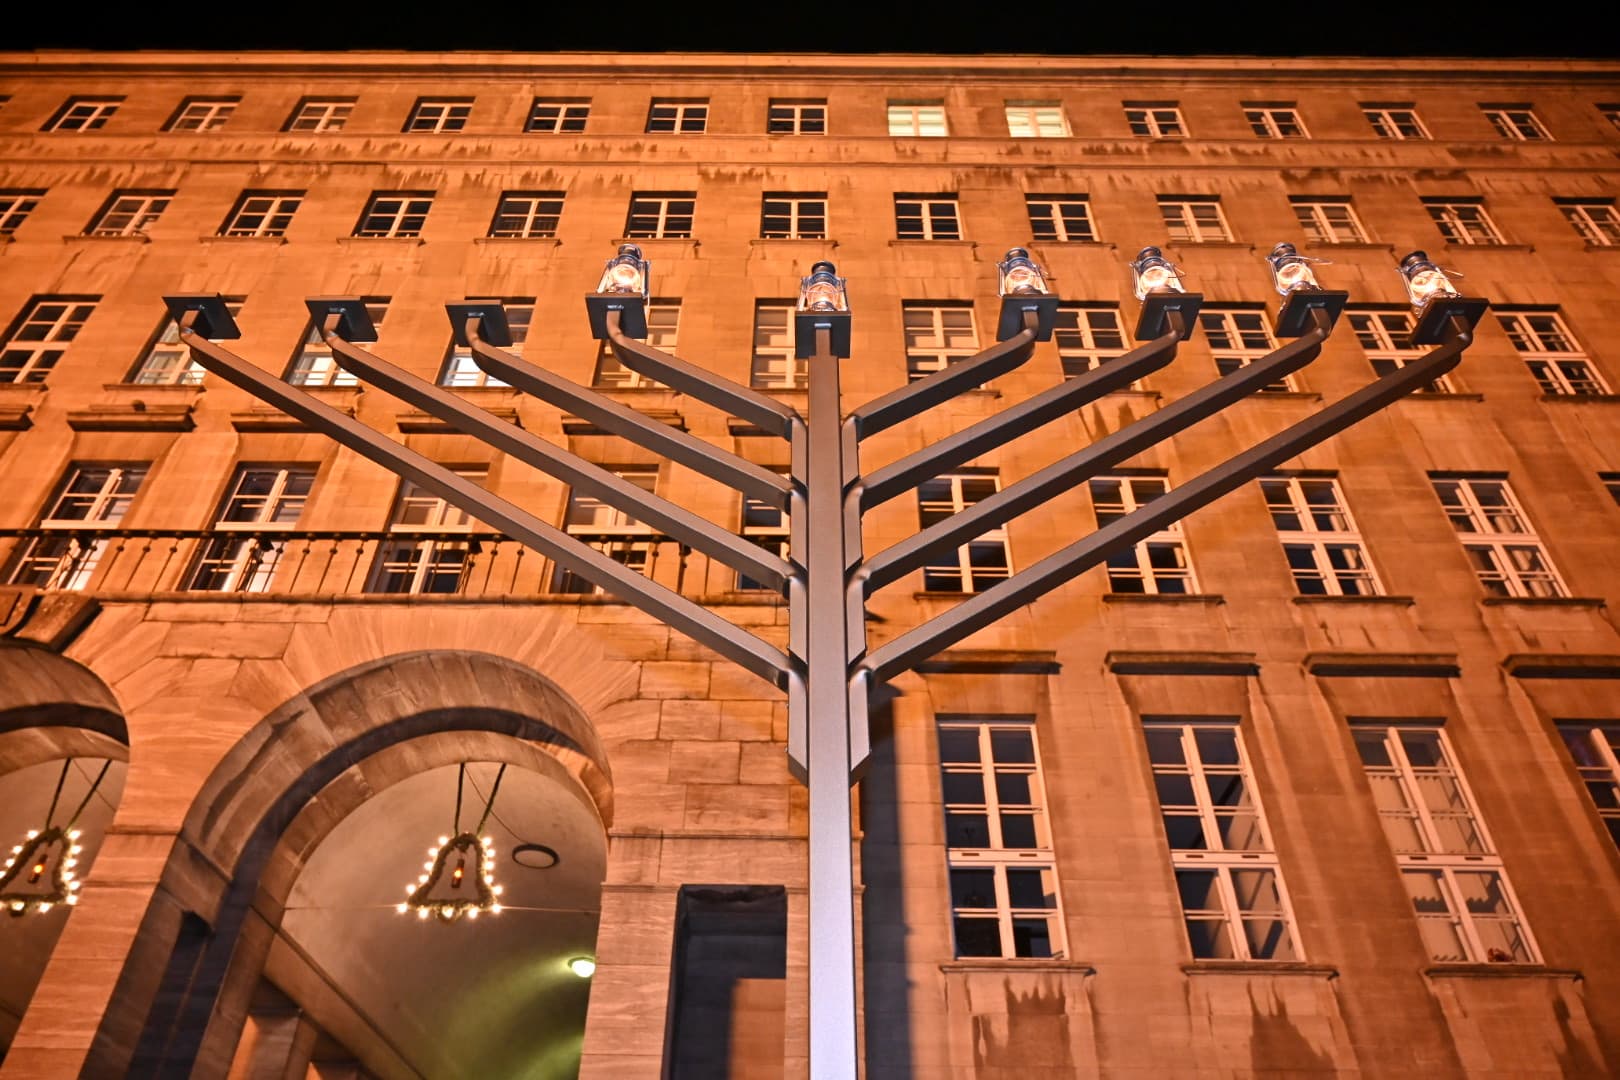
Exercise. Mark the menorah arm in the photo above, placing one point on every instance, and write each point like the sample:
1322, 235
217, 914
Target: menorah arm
752, 480
703, 535
1010, 423
702, 625
743, 402
1039, 487
902, 404
984, 609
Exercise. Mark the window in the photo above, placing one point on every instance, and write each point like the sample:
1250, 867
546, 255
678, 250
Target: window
926, 217
1611, 113
314, 114
527, 215
1386, 336
83, 114
1463, 221
1036, 120
786, 117
611, 531
1328, 220
460, 369
1594, 220
129, 213
1156, 566
15, 206
1516, 122
660, 215
774, 366
922, 118
1064, 218
936, 335
167, 362
1497, 537
682, 117
1611, 484
262, 213
1155, 119
1003, 874
767, 526
89, 498
1087, 336
793, 215
261, 502
1227, 874
314, 366
1596, 750
557, 116
202, 114
1324, 549
1465, 908
1237, 337
1274, 121
394, 214
1193, 219
1395, 121
434, 560
1551, 352
663, 323
439, 114
981, 562
39, 335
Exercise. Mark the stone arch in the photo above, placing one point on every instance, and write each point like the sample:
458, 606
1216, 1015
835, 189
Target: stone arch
178, 1004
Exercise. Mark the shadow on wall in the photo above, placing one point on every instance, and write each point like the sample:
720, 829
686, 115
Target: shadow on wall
728, 984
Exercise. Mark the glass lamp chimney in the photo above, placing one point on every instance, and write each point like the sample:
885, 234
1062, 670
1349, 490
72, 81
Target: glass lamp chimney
1291, 271
1152, 272
823, 290
625, 273
1020, 275
1425, 281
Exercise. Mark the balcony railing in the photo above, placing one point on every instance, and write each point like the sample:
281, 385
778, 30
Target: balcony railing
313, 562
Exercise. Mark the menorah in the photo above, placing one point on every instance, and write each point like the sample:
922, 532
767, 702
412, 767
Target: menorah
827, 671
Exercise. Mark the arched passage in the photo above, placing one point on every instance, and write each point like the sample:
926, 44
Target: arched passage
288, 787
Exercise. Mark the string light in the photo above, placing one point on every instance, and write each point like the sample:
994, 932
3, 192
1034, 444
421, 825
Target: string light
40, 872
470, 846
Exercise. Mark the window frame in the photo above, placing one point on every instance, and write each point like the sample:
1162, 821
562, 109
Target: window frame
666, 217
328, 113
1078, 347
1059, 219
1495, 545
1596, 765
1463, 220
1317, 543
275, 208
421, 561
963, 568
627, 541
1565, 372
1240, 352
793, 206
248, 563
663, 330
1315, 215
573, 116
1595, 220
1516, 122
1038, 119
773, 365
538, 211
1279, 120
100, 108
142, 206
930, 222
686, 116
460, 371
68, 562
15, 206
907, 120
215, 111
312, 363
1385, 351
793, 113
921, 354
414, 206
1137, 563
438, 115
1396, 122
40, 358
1180, 214
1155, 119
767, 525
166, 361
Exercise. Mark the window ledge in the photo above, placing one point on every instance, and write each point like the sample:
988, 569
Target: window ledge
14, 416
1001, 963
669, 245
171, 389
1561, 666
1382, 665
23, 389
1520, 249
1448, 396
368, 241
1197, 599
1181, 663
772, 241
737, 598
250, 241
134, 416
1393, 601
1613, 249
138, 238
421, 423
1260, 967
1575, 399
529, 241
1356, 245
1205, 245
971, 246
1502, 971
1107, 245
1593, 602
1284, 395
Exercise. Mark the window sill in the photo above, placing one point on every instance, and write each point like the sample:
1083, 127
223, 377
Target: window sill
669, 245
1593, 602
138, 238
1206, 245
970, 246
1561, 666
1242, 664
1575, 399
250, 241
1001, 963
1502, 971
14, 417
171, 389
1519, 249
1197, 599
528, 241
773, 241
1370, 665
1448, 396
1260, 967
369, 241
1284, 395
1356, 245
1612, 249
1392, 601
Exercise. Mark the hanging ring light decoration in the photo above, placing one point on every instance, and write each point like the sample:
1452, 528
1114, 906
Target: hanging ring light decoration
38, 874
469, 857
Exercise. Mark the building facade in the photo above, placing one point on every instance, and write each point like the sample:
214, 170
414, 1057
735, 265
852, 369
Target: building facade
1322, 781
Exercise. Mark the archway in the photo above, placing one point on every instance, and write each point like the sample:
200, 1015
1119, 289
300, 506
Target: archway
297, 849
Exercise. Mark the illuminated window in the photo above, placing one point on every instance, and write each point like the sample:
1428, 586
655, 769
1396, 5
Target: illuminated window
774, 366
1156, 566
167, 362
787, 117
129, 213
678, 116
1063, 218
1193, 220
15, 206
261, 503
937, 335
609, 530
90, 497
557, 116
793, 215
1385, 335
1596, 750
262, 213
1328, 220
660, 215
315, 114
83, 114
982, 561
1087, 336
921, 118
314, 365
1395, 121
1551, 352
527, 215
396, 214
1155, 119
202, 114
460, 369
1325, 551
1595, 220
1516, 122
439, 115
1463, 221
663, 324
1237, 337
1497, 537
1275, 121
1036, 120
40, 334
423, 553
926, 217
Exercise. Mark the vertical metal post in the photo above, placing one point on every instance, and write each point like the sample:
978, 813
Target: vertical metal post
832, 884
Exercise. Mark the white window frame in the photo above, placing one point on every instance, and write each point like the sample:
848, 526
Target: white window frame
461, 370
684, 117
1555, 359
530, 215
1155, 120
422, 563
1463, 221
1328, 219
798, 211
663, 330
27, 356
564, 116
994, 855
929, 212
248, 563
314, 115
1214, 856
975, 566
918, 119
1193, 219
1275, 121
15, 206
768, 526
1397, 791
1516, 122
1594, 220
83, 113
939, 343
664, 208
1237, 337
1594, 748
129, 213
774, 365
394, 215
168, 362
1063, 219
1036, 120
435, 116
1397, 122
1161, 564
1508, 557
262, 214
202, 114
1325, 551
1088, 335
1385, 335
68, 561
628, 541
797, 117
313, 363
